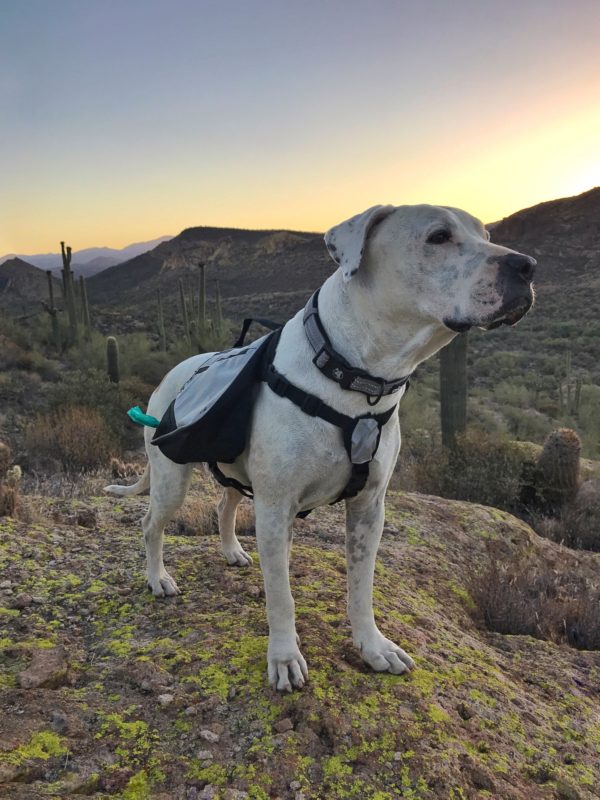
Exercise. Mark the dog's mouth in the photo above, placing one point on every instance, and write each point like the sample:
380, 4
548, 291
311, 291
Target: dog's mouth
506, 316
511, 318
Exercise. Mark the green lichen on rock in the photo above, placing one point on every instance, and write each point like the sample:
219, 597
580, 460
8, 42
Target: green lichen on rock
481, 710
42, 746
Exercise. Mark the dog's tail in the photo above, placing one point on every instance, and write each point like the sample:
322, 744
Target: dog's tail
136, 488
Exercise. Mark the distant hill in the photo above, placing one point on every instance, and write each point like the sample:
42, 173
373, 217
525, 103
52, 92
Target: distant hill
274, 271
91, 260
22, 286
268, 271
564, 236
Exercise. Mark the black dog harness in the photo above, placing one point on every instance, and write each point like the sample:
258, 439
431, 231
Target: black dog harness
361, 434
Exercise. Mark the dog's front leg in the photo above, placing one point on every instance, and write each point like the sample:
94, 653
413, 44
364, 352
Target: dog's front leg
364, 526
286, 664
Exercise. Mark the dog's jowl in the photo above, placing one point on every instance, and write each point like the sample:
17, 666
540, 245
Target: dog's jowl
323, 425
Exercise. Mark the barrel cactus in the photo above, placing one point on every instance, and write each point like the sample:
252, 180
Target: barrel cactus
557, 470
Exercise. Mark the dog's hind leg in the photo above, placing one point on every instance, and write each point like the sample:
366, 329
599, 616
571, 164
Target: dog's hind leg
364, 526
170, 483
286, 664
232, 549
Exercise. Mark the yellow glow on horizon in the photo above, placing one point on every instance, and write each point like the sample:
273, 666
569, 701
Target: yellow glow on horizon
492, 171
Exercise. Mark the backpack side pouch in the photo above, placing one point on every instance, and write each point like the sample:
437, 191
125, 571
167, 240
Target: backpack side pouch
208, 421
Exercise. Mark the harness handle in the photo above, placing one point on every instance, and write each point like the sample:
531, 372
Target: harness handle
267, 323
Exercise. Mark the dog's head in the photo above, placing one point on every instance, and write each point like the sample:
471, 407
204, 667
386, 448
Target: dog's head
434, 262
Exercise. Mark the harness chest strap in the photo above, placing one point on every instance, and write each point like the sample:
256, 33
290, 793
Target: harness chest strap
360, 434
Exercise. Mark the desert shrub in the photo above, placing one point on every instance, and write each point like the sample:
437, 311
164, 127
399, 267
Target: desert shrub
482, 469
19, 356
535, 600
14, 356
152, 367
90, 354
525, 423
589, 420
93, 390
10, 478
578, 524
76, 438
139, 356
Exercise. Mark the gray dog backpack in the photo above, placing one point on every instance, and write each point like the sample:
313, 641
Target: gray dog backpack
209, 419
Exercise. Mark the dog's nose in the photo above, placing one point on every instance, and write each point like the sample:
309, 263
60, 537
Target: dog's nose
524, 265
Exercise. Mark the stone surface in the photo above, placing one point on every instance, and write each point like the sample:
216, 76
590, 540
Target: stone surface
209, 736
284, 725
48, 668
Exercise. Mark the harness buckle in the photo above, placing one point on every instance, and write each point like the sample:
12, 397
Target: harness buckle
322, 357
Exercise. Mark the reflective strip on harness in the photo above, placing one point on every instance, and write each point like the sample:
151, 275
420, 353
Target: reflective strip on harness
335, 367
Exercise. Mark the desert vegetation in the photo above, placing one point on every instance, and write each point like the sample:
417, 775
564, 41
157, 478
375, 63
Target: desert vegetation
488, 572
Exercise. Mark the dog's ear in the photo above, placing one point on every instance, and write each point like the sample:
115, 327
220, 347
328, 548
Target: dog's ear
346, 241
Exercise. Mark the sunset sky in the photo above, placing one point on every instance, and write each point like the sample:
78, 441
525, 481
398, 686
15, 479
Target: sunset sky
122, 120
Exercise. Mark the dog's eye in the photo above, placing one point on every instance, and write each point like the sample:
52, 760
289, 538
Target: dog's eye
440, 236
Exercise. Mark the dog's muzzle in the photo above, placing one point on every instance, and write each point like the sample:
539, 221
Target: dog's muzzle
515, 274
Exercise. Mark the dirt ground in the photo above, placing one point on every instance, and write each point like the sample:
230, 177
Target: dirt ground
108, 692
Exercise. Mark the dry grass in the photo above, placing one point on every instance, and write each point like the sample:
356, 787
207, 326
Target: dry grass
8, 500
534, 600
578, 524
10, 479
124, 469
76, 439
198, 517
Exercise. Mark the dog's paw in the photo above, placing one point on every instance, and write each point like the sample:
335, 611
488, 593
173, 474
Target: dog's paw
237, 556
384, 656
287, 669
163, 585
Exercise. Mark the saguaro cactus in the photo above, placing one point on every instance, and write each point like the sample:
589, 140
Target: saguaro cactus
85, 309
53, 312
569, 391
112, 359
453, 389
202, 299
69, 293
184, 313
218, 311
161, 323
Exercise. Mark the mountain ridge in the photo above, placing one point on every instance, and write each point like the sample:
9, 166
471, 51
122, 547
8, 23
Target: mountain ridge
259, 263
89, 260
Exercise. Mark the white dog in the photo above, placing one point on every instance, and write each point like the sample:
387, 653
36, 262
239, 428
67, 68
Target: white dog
409, 279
